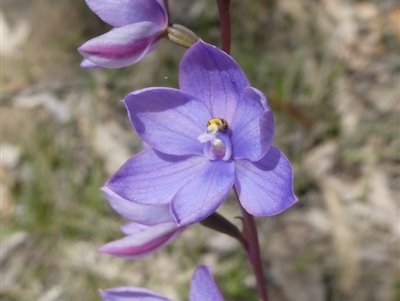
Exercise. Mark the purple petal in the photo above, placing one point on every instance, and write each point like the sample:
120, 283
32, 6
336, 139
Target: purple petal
163, 5
143, 243
133, 228
119, 13
265, 187
168, 120
252, 126
202, 195
122, 46
213, 77
203, 286
153, 178
263, 99
142, 214
88, 64
130, 294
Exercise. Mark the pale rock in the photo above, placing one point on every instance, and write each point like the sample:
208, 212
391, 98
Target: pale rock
9, 155
321, 159
15, 37
222, 243
47, 100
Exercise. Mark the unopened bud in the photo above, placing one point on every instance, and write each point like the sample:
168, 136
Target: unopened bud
181, 35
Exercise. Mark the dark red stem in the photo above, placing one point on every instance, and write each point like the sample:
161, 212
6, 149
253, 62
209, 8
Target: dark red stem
253, 252
223, 9
167, 7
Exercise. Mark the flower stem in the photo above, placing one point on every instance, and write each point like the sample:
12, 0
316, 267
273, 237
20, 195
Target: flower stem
167, 8
252, 246
220, 224
253, 252
223, 9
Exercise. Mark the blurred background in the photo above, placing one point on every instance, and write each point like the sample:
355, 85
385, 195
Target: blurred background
331, 70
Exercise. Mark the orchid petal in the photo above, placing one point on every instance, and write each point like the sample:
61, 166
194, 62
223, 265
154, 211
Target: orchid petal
168, 120
213, 77
142, 214
204, 193
252, 126
88, 64
153, 178
163, 5
122, 46
263, 99
144, 242
130, 294
265, 187
119, 13
203, 286
133, 228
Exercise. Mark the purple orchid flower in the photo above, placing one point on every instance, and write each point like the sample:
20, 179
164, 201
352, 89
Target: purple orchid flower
138, 27
149, 228
212, 134
202, 288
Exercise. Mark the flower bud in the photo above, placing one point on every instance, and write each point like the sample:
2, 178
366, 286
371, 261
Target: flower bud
181, 35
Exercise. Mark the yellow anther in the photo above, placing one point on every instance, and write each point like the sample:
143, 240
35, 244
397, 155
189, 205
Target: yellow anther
217, 124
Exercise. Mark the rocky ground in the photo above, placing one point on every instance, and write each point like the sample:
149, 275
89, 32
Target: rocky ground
330, 68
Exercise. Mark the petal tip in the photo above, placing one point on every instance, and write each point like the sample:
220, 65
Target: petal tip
103, 250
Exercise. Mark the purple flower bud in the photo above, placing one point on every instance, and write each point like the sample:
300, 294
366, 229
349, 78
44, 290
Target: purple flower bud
138, 27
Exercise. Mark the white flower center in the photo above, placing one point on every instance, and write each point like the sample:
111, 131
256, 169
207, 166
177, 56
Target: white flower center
216, 141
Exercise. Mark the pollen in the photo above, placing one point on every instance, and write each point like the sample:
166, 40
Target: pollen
217, 124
